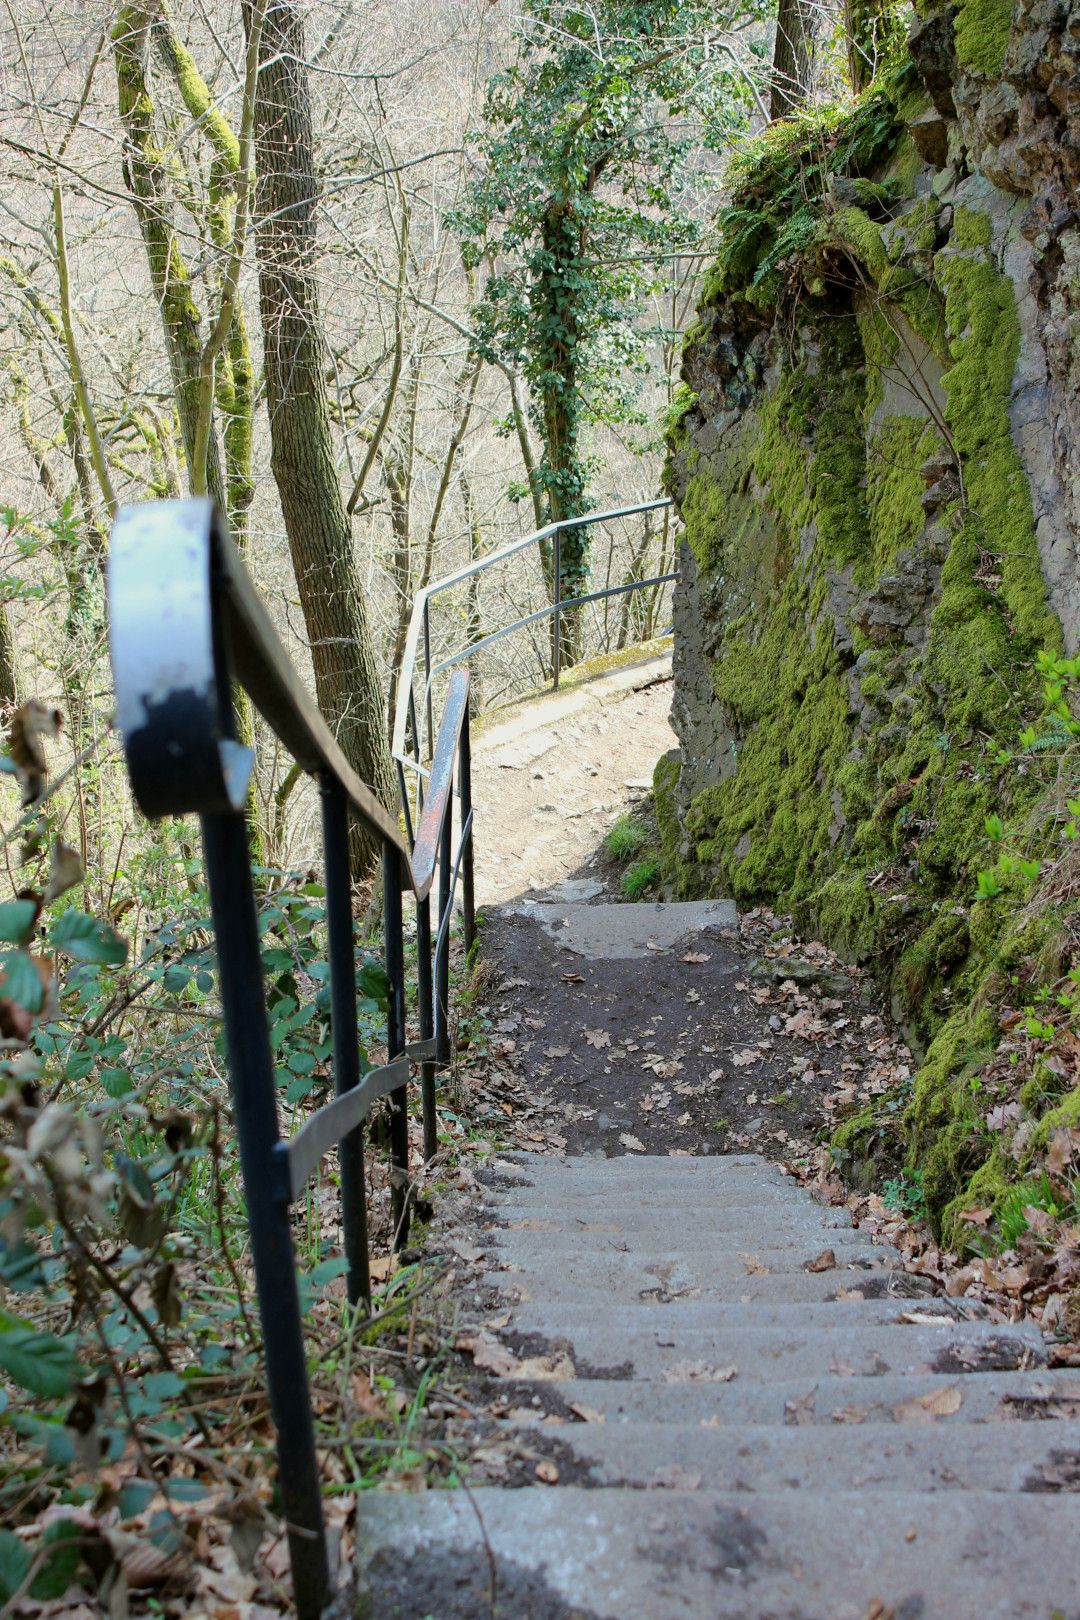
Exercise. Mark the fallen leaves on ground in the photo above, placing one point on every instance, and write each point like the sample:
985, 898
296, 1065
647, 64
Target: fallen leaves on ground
928, 1408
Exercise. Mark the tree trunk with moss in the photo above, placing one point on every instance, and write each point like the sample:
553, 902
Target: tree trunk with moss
873, 29
147, 171
792, 58
562, 472
302, 453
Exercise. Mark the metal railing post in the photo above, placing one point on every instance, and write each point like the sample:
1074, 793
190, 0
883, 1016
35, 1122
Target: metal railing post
343, 1030
468, 888
251, 1082
442, 954
427, 680
395, 1043
557, 620
426, 998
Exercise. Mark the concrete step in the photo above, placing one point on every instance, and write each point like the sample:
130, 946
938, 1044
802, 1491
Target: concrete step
670, 1342
719, 1170
705, 1555
704, 1310
514, 1246
856, 1455
617, 931
625, 1275
779, 1287
985, 1397
764, 1221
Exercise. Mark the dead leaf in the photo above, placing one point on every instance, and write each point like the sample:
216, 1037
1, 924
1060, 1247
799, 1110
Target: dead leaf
851, 1414
697, 956
672, 1477
465, 1250
698, 1372
488, 1354
572, 978
825, 1261
1060, 1152
547, 1472
31, 727
879, 1611
544, 1368
927, 1408
556, 1051
741, 1059
597, 1037
800, 1410
366, 1400
631, 1142
587, 1414
754, 1268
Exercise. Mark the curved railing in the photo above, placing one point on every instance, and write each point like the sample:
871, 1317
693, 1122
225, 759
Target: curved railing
185, 621
413, 719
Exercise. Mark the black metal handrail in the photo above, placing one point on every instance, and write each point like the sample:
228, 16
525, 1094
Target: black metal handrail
185, 620
409, 716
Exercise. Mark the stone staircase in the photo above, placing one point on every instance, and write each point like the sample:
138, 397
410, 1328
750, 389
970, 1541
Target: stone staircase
761, 1440
746, 1411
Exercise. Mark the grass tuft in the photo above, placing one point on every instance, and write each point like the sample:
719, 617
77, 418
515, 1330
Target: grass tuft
627, 838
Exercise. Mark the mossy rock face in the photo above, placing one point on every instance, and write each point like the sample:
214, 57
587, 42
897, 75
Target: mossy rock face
870, 596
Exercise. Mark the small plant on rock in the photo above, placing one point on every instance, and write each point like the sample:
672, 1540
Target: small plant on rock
627, 838
641, 877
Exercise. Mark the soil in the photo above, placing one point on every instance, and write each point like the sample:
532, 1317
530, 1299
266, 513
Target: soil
732, 1041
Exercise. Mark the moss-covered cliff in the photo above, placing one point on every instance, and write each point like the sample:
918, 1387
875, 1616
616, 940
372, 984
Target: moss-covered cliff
870, 456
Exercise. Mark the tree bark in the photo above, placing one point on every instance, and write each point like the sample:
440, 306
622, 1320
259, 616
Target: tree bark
792, 58
146, 171
302, 453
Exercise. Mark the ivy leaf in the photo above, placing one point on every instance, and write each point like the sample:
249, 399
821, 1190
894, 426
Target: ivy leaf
17, 919
88, 940
21, 981
374, 982
41, 1363
15, 1561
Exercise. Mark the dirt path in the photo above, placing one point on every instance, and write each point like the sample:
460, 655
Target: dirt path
550, 776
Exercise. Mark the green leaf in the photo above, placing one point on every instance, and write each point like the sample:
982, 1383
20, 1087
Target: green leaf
88, 940
135, 1498
994, 827
15, 1561
176, 977
17, 920
39, 1362
117, 1082
374, 982
64, 1540
21, 981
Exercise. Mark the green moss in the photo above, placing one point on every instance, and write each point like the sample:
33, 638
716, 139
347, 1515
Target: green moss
984, 333
858, 232
982, 30
895, 486
682, 401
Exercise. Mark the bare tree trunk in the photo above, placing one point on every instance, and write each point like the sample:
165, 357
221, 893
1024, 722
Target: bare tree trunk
302, 453
792, 58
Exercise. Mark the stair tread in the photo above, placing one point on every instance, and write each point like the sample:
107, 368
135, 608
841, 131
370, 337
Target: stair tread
912, 1453
624, 1554
806, 1400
